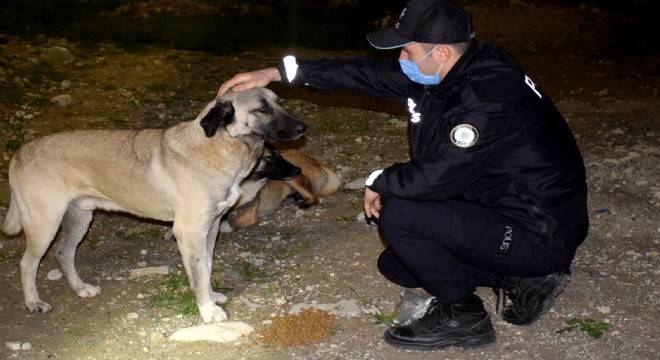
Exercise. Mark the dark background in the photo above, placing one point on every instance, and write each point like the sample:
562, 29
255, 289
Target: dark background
239, 25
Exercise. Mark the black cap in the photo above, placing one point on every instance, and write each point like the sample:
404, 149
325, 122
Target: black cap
426, 21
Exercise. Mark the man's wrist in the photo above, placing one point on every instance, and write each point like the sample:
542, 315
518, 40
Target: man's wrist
372, 177
290, 67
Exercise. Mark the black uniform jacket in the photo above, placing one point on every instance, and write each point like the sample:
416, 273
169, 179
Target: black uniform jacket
525, 162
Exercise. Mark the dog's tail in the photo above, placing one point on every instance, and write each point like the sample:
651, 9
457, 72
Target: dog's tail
12, 225
332, 184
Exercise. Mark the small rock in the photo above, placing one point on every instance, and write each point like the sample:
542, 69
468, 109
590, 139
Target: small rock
132, 316
66, 84
152, 270
156, 337
54, 275
26, 346
249, 303
222, 332
62, 100
13, 345
356, 184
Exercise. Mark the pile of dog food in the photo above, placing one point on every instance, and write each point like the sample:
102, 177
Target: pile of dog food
309, 326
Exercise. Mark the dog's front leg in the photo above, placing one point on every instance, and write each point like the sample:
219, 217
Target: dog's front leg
192, 242
212, 237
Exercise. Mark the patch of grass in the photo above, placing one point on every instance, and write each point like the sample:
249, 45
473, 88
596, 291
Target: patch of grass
148, 234
595, 328
158, 88
174, 293
223, 239
10, 95
109, 87
13, 144
290, 252
255, 249
333, 127
289, 234
383, 319
347, 219
6, 257
249, 271
41, 73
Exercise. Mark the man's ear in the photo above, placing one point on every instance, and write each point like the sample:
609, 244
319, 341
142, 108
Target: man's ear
221, 114
442, 52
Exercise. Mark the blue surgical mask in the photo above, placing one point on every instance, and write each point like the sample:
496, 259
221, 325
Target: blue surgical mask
411, 69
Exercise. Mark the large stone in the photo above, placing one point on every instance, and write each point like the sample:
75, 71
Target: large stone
63, 100
58, 55
222, 332
147, 271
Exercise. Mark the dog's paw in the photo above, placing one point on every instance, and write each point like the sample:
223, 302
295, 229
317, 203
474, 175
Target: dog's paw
218, 298
169, 236
212, 314
225, 227
88, 291
38, 306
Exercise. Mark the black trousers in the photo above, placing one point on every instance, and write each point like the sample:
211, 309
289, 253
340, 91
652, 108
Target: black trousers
450, 248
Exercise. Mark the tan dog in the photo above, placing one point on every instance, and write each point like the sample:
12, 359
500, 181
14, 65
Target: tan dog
189, 174
316, 180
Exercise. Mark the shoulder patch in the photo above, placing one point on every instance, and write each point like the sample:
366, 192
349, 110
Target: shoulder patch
464, 135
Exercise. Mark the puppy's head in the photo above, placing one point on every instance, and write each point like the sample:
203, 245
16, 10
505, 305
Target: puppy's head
218, 114
273, 166
257, 112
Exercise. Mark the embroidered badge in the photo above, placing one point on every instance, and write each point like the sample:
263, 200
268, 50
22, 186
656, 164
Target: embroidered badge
464, 135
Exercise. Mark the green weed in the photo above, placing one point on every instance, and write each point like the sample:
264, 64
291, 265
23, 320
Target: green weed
141, 235
174, 293
595, 328
383, 319
249, 271
5, 257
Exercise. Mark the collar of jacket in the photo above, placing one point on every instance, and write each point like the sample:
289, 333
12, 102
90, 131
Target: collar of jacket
457, 72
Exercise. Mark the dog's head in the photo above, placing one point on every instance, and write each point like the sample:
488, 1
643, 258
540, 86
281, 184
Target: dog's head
253, 112
273, 166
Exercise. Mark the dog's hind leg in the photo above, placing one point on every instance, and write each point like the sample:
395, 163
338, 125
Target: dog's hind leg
211, 238
302, 185
74, 227
39, 233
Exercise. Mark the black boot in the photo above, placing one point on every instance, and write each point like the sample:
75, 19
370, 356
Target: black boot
466, 325
530, 297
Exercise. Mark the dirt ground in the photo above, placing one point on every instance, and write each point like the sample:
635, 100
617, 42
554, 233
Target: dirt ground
324, 254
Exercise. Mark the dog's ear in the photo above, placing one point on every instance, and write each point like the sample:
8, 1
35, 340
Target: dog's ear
220, 115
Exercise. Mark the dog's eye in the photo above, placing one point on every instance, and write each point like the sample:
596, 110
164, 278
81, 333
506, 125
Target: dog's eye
262, 109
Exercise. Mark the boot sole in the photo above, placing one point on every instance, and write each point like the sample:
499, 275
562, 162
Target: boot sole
547, 303
468, 342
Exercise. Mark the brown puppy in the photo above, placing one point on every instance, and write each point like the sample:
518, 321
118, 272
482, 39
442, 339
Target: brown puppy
189, 174
317, 180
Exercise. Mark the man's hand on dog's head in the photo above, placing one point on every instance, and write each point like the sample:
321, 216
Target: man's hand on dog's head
250, 80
